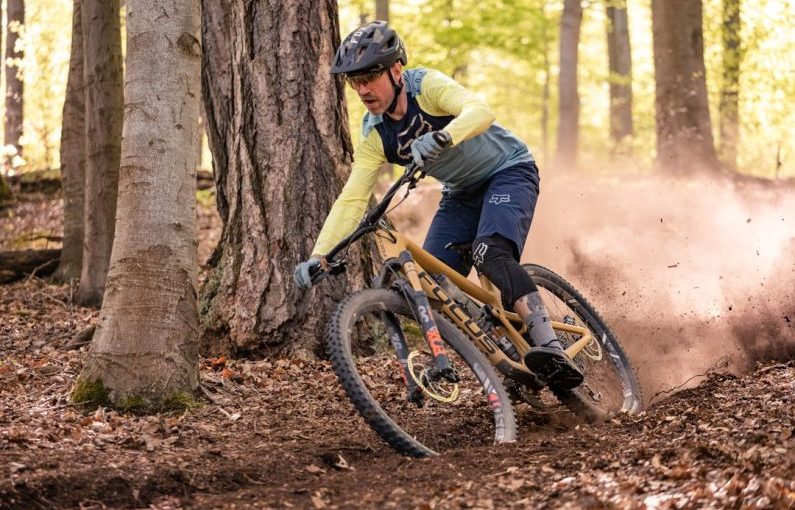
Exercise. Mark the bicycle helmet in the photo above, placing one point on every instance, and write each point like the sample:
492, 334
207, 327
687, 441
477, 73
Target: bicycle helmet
373, 47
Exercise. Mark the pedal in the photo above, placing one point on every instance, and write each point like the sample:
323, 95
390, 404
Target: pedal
551, 366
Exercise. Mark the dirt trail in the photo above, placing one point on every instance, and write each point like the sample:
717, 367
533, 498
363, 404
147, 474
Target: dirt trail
280, 434
692, 301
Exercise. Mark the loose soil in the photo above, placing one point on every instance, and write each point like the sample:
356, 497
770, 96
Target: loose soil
279, 433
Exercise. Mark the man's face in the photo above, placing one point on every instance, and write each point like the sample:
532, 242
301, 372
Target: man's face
375, 89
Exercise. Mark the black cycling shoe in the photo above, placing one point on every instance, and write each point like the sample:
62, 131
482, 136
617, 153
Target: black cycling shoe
553, 366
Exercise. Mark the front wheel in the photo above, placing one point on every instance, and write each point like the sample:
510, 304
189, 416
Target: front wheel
610, 384
474, 411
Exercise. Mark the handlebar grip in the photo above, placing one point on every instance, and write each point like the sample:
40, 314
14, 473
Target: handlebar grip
316, 273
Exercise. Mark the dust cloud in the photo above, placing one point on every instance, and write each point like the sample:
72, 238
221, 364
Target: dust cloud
692, 275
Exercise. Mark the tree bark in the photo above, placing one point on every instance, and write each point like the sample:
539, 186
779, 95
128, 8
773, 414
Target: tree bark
104, 100
5, 192
15, 87
620, 63
382, 10
281, 149
730, 85
568, 98
146, 342
73, 157
684, 135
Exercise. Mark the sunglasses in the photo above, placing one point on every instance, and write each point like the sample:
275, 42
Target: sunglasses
364, 79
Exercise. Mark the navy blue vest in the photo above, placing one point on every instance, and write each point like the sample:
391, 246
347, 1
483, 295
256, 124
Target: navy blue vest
397, 135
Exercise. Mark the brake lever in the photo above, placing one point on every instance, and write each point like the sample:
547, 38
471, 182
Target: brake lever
337, 267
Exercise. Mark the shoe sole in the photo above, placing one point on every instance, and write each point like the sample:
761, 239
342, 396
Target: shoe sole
550, 365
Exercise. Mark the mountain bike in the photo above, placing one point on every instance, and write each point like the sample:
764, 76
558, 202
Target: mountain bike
426, 355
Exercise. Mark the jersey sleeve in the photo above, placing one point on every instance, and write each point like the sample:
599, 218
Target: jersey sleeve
442, 95
351, 204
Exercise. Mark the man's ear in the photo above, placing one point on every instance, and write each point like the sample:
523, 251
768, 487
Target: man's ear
397, 71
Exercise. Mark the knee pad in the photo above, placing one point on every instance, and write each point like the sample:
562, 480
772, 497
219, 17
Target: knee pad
497, 258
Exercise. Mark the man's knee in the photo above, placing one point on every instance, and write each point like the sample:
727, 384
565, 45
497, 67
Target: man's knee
488, 250
496, 257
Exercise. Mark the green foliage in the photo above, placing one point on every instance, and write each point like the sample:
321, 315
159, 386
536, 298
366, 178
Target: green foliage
506, 49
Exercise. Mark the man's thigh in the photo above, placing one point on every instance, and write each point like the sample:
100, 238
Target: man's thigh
509, 203
456, 221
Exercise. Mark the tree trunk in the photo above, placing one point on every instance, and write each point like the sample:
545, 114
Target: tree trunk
104, 96
5, 192
730, 86
146, 342
684, 135
278, 132
73, 157
568, 99
620, 62
15, 89
382, 10
545, 96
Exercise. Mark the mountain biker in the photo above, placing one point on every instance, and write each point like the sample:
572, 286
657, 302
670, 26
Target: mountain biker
490, 177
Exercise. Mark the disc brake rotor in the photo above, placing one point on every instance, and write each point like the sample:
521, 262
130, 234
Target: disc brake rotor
439, 390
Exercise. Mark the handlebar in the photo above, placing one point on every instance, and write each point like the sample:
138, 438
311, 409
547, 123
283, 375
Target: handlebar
411, 176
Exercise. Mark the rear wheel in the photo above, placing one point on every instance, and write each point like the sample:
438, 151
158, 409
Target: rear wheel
474, 411
610, 385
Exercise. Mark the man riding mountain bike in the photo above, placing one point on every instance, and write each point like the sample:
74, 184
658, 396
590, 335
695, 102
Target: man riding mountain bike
424, 117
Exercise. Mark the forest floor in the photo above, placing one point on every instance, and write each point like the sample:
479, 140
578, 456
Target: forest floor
280, 433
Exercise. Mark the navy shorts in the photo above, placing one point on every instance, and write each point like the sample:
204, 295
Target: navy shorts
502, 205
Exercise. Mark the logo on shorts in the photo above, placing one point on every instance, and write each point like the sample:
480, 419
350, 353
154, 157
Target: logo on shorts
499, 199
479, 254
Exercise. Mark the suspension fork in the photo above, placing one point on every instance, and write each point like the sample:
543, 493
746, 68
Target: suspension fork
421, 306
398, 342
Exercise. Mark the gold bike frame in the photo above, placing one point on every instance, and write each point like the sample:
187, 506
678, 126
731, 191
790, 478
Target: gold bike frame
391, 244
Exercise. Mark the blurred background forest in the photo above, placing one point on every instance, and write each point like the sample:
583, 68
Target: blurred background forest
507, 51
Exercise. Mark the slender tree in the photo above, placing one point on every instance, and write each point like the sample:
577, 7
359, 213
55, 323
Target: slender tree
146, 342
684, 134
73, 156
278, 133
620, 63
15, 87
568, 97
382, 10
730, 85
102, 75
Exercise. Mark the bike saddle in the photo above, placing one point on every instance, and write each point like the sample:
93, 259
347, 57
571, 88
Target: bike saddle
464, 250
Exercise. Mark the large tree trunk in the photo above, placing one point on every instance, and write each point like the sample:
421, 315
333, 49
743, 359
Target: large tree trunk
620, 63
684, 135
730, 86
104, 96
73, 157
568, 98
146, 342
15, 89
281, 149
